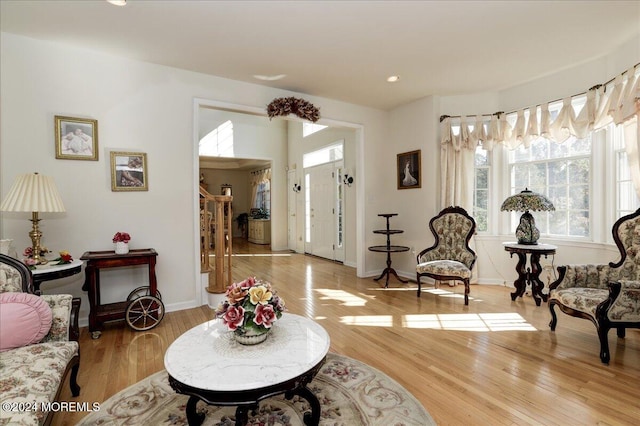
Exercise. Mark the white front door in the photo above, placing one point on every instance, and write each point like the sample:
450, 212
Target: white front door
320, 196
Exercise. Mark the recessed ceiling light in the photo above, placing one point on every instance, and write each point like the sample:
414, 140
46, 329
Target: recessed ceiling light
118, 2
269, 77
393, 78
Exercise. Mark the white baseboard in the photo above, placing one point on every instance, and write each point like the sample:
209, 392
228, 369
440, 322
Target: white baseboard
84, 321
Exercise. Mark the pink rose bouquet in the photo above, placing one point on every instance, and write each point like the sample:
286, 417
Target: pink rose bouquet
251, 304
121, 237
30, 262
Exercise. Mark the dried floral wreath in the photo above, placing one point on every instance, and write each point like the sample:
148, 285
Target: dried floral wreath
291, 105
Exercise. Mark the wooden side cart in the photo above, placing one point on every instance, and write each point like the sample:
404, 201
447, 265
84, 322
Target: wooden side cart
143, 308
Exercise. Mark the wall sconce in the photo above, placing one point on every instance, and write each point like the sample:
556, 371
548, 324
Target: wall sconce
347, 179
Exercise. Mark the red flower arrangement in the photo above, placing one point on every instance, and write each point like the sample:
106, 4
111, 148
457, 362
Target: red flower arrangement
251, 304
121, 237
65, 257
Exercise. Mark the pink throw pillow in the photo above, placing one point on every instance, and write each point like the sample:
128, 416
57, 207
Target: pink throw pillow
24, 319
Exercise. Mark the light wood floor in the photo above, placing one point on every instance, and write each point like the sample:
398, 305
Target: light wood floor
494, 362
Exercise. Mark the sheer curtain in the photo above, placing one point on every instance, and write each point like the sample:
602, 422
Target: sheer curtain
257, 178
456, 158
616, 102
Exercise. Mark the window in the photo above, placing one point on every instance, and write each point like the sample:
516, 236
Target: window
218, 142
324, 155
576, 176
481, 187
263, 197
311, 128
562, 172
626, 198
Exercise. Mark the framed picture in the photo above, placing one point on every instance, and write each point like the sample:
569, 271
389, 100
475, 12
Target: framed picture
76, 138
409, 173
129, 171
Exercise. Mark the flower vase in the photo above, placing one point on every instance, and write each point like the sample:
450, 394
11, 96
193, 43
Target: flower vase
251, 337
122, 247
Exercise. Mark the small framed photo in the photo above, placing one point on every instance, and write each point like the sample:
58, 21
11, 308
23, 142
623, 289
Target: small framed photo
129, 171
409, 172
76, 138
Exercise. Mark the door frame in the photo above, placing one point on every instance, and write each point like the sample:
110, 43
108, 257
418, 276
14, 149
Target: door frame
260, 111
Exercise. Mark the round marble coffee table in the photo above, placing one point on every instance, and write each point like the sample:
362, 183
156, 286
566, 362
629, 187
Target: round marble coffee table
207, 364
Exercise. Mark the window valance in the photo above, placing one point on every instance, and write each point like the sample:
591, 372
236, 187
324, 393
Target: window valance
615, 102
260, 176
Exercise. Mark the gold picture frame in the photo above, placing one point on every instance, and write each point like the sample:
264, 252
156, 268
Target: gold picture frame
76, 138
129, 171
409, 172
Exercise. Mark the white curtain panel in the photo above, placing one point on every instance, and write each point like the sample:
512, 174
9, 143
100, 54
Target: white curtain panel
619, 103
456, 158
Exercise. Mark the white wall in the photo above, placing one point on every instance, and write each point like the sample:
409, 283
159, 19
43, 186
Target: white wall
413, 126
149, 108
141, 107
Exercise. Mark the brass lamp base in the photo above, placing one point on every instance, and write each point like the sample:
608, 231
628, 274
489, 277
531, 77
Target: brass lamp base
35, 235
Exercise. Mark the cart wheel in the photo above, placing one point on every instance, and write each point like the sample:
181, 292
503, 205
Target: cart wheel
142, 291
144, 313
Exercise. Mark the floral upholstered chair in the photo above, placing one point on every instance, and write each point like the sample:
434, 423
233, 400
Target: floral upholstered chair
34, 361
450, 257
608, 295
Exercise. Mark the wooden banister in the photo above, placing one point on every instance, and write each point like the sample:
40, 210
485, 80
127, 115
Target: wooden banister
221, 217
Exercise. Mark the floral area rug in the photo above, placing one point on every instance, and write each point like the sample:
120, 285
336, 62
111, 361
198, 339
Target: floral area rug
350, 393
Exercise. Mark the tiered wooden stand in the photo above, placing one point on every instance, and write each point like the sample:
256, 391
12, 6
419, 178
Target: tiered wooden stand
388, 248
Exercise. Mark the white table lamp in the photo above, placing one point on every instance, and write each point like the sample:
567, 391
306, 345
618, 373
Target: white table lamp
33, 193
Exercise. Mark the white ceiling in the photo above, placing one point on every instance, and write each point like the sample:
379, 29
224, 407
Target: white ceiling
343, 50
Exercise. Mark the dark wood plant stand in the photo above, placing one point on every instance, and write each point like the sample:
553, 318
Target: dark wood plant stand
530, 275
388, 248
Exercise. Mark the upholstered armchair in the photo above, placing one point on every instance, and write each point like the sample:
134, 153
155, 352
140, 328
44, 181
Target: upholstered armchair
609, 294
450, 257
38, 345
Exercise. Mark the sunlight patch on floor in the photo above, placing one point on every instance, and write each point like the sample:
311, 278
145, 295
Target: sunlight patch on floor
393, 289
469, 322
257, 255
507, 321
346, 298
261, 255
369, 320
436, 291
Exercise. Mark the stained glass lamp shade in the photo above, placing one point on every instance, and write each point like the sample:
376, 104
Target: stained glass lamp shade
526, 201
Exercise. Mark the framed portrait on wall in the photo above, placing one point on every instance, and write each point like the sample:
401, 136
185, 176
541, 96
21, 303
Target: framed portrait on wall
409, 172
76, 138
129, 171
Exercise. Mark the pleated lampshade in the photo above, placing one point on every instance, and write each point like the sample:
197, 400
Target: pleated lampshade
33, 193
